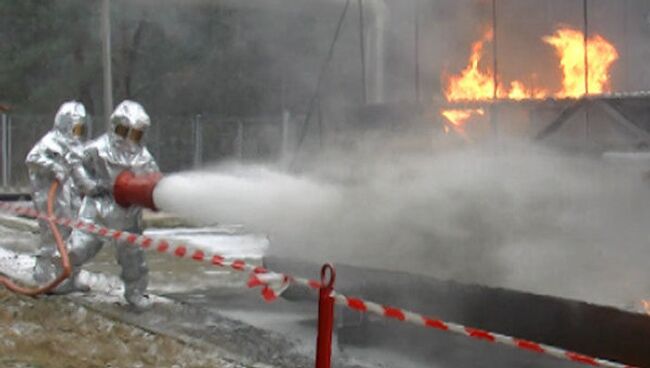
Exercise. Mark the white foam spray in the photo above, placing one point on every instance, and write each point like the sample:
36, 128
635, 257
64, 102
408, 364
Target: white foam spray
525, 217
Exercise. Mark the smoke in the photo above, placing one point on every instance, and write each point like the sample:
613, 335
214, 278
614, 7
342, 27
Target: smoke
522, 217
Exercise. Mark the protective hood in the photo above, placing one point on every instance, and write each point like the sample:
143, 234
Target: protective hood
70, 114
131, 115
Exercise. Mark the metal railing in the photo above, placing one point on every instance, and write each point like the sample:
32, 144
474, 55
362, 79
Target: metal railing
177, 142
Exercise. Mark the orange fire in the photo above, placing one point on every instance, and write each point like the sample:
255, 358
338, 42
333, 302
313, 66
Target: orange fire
569, 47
456, 117
475, 84
519, 91
646, 306
472, 83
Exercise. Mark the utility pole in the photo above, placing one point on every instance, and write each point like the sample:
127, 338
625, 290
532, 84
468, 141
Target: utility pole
416, 31
586, 44
585, 41
197, 129
106, 60
6, 160
495, 73
362, 47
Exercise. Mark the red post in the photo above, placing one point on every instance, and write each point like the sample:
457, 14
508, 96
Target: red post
325, 318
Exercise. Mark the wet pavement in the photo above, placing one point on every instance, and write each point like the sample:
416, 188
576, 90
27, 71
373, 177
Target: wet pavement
388, 347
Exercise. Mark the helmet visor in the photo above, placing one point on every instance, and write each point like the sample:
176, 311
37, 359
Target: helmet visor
135, 135
79, 130
121, 130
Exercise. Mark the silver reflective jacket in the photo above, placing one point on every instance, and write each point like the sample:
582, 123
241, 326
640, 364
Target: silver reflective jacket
52, 158
105, 158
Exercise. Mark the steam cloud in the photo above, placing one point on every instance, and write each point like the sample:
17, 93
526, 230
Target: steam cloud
522, 217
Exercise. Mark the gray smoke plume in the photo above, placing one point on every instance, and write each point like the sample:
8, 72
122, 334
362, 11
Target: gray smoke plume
521, 217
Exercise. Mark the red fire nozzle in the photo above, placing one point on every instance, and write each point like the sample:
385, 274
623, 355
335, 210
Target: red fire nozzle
135, 190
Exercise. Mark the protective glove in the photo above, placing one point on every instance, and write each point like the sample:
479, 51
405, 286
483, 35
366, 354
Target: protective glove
88, 184
97, 190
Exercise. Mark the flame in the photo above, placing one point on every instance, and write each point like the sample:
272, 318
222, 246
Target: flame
475, 84
646, 306
569, 47
472, 83
459, 117
519, 91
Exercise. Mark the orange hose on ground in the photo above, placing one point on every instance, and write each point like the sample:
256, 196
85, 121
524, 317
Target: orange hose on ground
60, 245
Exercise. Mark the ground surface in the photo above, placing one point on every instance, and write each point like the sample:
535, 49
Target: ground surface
55, 332
208, 308
30, 334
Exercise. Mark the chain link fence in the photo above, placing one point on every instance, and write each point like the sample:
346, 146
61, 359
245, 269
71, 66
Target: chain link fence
177, 143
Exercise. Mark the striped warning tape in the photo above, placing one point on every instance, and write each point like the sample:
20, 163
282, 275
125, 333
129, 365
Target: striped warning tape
260, 277
399, 314
272, 284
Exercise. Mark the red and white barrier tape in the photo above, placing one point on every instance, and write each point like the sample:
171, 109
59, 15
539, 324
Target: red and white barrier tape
260, 277
272, 284
423, 321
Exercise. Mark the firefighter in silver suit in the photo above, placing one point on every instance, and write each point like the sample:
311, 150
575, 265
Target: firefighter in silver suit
121, 148
52, 159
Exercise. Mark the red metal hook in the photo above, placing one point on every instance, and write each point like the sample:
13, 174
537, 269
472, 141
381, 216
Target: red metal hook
325, 317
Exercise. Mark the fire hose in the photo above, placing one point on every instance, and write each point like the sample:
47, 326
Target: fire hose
60, 246
130, 189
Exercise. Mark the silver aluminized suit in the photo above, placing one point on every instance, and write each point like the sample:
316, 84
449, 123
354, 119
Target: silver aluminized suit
103, 160
52, 159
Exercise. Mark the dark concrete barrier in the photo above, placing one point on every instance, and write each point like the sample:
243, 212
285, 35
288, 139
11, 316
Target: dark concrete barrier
599, 331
